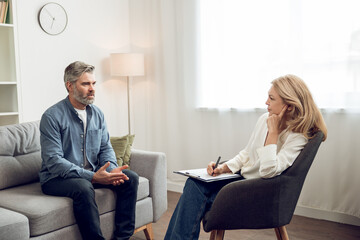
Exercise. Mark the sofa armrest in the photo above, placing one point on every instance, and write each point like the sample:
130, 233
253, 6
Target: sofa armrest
152, 165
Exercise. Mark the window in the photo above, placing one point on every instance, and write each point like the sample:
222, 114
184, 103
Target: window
244, 45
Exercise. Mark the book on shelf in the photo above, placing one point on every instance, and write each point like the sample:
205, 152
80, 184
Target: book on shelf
1, 7
3, 10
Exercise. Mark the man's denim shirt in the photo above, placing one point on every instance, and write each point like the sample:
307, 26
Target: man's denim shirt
63, 142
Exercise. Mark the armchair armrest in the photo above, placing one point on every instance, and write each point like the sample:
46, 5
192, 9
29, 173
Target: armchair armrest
246, 204
152, 165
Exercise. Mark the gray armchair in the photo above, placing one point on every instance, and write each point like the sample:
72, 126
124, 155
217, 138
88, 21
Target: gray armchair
261, 203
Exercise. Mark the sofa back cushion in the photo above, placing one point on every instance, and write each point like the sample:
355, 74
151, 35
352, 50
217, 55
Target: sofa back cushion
20, 156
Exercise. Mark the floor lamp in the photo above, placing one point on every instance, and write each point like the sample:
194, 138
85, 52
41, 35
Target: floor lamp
128, 65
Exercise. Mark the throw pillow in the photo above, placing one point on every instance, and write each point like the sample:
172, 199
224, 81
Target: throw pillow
128, 150
122, 148
119, 145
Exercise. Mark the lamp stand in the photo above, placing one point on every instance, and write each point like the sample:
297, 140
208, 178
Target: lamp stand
128, 101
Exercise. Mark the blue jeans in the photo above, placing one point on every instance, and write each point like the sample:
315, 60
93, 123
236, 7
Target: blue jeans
85, 208
195, 201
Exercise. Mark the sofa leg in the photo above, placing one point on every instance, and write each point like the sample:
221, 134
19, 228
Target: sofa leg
217, 234
281, 233
149, 234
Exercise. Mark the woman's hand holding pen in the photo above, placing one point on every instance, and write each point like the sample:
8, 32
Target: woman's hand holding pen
221, 168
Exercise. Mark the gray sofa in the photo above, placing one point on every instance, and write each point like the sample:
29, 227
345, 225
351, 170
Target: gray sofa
26, 213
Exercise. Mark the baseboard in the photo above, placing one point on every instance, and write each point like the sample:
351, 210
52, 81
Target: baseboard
300, 210
326, 215
175, 186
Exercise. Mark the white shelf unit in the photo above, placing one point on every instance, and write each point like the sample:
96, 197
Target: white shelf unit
9, 82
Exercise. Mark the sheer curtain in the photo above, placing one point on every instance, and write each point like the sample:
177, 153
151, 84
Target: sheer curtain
246, 44
167, 118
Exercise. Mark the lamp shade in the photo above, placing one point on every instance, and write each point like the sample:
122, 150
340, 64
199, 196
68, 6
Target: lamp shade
127, 64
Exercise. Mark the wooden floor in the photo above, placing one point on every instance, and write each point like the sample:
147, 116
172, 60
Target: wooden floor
300, 228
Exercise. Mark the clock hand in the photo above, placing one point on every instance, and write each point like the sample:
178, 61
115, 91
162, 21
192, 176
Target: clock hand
52, 23
49, 13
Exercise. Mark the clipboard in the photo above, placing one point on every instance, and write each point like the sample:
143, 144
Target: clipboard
202, 175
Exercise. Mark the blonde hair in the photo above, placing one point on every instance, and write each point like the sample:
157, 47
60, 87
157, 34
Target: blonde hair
303, 115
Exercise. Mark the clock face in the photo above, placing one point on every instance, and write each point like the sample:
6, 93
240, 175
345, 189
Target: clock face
53, 18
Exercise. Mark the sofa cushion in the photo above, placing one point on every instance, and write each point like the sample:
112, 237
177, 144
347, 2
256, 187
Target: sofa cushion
144, 212
19, 139
143, 190
19, 150
12, 171
13, 225
41, 209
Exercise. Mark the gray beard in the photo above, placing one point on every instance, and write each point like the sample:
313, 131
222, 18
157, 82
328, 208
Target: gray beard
81, 99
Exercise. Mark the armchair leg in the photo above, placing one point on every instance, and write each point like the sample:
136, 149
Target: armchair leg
217, 234
149, 234
281, 233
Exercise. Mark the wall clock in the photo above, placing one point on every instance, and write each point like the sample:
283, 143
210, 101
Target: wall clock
53, 18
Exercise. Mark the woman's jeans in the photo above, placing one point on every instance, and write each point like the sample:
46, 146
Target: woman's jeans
85, 209
195, 201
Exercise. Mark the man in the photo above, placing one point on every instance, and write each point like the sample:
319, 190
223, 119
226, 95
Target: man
77, 157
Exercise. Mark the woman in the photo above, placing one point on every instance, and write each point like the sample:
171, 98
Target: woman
278, 138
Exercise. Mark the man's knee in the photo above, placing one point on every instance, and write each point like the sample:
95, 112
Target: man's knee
83, 188
133, 177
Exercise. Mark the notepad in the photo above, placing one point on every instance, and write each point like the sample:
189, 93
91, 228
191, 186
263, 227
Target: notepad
201, 174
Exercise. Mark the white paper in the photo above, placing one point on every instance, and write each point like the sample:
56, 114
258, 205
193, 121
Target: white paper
201, 174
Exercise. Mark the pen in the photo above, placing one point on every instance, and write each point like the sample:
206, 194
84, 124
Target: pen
216, 164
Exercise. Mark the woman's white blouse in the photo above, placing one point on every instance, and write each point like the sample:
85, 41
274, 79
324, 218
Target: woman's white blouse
257, 160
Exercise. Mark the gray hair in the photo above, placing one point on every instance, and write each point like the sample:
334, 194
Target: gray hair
74, 71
